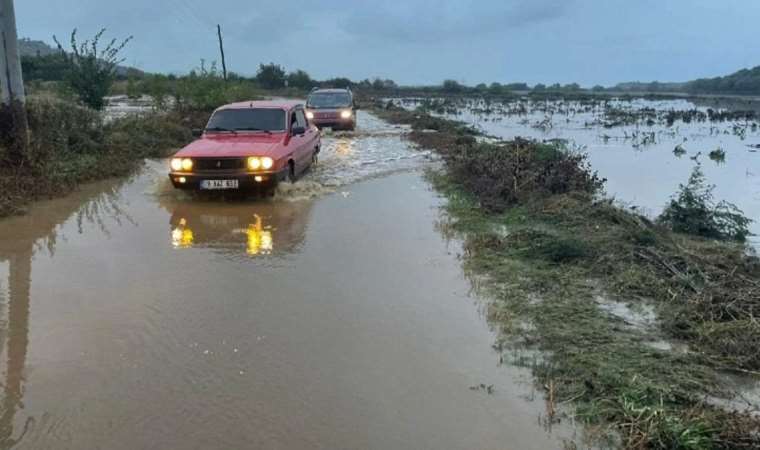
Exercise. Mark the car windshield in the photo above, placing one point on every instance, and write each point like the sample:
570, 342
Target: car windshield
329, 100
247, 119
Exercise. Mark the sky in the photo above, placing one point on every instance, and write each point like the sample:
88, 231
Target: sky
422, 41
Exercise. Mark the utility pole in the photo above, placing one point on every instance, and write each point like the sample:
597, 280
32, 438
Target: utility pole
221, 49
12, 97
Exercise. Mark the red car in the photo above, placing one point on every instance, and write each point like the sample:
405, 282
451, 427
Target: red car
248, 145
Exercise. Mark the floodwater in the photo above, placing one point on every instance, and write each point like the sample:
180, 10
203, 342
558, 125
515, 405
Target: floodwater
332, 317
637, 159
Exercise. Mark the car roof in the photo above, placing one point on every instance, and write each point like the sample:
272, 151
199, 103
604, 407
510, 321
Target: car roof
330, 91
274, 104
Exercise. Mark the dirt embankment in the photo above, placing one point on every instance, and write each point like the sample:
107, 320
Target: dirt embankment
631, 323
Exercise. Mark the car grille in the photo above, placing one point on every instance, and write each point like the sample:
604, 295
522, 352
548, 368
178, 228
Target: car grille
211, 164
326, 115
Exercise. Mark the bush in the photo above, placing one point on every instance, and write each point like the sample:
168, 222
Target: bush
61, 130
694, 211
204, 89
89, 72
505, 175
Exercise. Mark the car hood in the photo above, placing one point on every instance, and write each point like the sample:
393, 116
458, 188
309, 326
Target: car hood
233, 145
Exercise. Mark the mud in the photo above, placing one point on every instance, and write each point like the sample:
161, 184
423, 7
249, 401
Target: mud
135, 316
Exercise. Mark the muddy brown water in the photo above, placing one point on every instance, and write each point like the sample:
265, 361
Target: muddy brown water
135, 317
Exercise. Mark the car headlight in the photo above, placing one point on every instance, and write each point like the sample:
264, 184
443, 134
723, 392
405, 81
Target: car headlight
309, 115
185, 164
256, 163
346, 114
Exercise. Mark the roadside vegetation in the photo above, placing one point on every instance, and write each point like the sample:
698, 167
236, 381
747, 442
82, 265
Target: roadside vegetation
71, 141
569, 272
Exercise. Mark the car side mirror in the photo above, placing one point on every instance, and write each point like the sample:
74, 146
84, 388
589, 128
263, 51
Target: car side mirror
197, 132
297, 131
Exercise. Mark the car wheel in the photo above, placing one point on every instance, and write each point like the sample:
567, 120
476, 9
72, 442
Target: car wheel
291, 177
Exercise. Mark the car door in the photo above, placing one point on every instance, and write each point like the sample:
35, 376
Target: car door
305, 142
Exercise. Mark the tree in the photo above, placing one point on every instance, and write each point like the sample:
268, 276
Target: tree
452, 86
90, 72
300, 79
540, 87
517, 87
270, 76
339, 82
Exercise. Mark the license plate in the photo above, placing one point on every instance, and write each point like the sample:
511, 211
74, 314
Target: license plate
219, 184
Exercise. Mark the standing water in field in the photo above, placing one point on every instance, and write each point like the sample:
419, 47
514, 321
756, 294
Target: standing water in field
644, 148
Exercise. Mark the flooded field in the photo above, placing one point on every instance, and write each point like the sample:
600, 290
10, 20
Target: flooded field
644, 148
335, 316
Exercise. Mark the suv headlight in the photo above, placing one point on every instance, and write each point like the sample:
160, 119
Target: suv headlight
309, 115
345, 114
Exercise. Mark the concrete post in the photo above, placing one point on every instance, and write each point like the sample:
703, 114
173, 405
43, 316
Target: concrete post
10, 59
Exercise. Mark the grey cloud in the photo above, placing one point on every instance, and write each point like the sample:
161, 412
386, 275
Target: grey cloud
428, 21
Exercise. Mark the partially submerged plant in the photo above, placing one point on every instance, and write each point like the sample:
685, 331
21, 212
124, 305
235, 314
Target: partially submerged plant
694, 211
718, 155
679, 150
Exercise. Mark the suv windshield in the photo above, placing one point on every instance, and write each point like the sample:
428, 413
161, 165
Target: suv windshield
329, 100
248, 119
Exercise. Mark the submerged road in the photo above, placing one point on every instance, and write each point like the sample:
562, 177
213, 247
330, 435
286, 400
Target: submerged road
335, 316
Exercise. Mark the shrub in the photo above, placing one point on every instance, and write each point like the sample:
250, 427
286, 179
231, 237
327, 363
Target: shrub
89, 72
694, 211
508, 174
61, 130
204, 89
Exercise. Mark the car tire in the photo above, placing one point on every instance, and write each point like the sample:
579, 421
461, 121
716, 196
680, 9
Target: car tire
291, 176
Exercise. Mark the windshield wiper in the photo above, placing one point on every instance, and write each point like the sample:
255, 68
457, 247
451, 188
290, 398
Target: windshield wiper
220, 129
252, 129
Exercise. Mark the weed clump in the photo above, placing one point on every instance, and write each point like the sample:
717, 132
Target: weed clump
70, 144
694, 211
515, 172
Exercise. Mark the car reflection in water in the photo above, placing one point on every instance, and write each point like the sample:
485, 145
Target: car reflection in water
255, 228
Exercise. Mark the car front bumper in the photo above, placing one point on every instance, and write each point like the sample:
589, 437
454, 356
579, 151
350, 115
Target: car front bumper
246, 180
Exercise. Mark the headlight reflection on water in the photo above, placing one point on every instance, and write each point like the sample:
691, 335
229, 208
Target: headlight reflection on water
182, 236
259, 240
